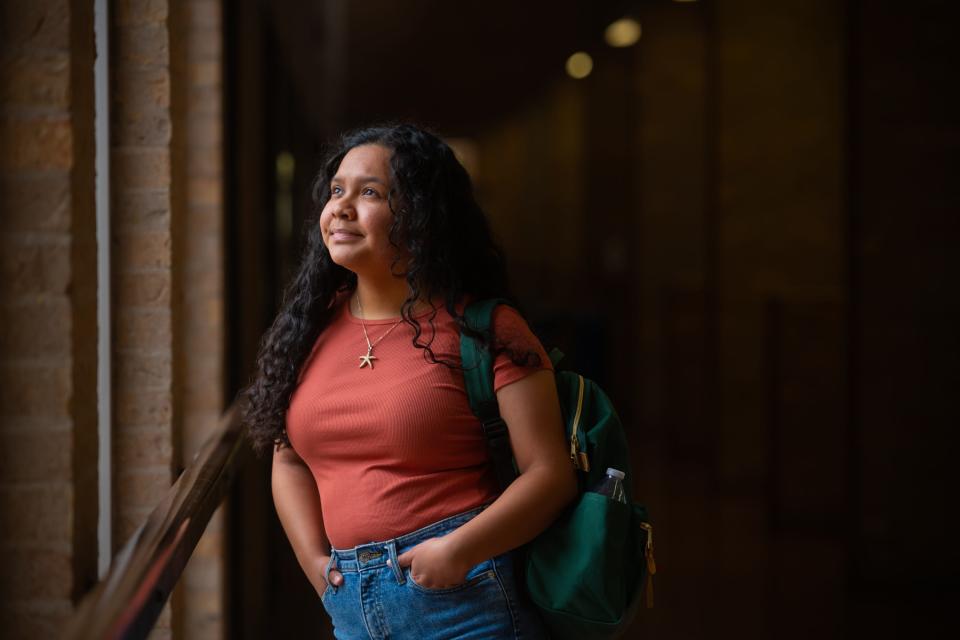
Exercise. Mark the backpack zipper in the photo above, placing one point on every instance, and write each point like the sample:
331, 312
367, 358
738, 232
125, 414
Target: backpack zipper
579, 458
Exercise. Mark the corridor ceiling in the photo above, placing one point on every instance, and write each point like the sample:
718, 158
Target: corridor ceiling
456, 65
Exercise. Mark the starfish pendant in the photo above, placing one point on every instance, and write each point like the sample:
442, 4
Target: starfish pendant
367, 359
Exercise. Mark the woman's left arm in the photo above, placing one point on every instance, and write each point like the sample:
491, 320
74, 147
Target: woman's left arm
547, 483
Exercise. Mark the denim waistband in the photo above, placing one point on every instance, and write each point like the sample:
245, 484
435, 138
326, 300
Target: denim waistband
375, 554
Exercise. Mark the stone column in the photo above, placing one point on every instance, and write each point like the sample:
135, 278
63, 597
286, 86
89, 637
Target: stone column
48, 315
201, 322
145, 296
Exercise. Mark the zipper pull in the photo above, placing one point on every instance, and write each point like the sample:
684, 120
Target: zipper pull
651, 563
580, 460
584, 461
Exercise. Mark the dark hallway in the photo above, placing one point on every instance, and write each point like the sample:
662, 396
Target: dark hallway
720, 224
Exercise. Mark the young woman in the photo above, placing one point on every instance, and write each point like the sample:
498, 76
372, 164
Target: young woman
381, 476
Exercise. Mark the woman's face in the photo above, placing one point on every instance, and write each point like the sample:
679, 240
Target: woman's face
355, 222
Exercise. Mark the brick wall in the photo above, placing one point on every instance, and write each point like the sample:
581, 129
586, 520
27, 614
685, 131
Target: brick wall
48, 419
141, 263
166, 291
168, 274
201, 322
144, 294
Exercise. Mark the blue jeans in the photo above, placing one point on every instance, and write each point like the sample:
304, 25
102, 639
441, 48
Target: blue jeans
377, 601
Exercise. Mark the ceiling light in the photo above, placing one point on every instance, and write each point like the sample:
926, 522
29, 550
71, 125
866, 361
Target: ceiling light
623, 33
579, 65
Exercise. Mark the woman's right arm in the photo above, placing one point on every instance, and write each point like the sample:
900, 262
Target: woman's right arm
298, 506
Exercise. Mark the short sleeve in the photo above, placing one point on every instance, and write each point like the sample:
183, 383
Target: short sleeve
513, 331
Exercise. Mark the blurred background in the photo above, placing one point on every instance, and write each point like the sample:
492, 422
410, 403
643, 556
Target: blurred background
736, 221
736, 215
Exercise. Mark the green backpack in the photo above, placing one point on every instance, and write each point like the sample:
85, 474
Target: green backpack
586, 573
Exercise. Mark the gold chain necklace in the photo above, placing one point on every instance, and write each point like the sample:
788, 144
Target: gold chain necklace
369, 357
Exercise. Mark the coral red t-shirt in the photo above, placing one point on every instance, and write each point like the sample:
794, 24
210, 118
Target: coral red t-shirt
396, 447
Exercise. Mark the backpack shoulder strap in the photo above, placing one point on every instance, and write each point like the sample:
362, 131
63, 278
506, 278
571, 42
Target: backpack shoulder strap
478, 378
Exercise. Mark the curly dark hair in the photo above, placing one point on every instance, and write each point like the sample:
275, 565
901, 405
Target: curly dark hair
436, 219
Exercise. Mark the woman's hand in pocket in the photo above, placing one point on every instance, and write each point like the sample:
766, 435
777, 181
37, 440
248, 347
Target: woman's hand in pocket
435, 564
316, 575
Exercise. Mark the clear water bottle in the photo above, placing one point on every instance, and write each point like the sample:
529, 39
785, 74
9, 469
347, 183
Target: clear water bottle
612, 485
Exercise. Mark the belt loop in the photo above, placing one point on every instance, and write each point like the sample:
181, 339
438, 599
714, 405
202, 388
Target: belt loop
330, 565
394, 563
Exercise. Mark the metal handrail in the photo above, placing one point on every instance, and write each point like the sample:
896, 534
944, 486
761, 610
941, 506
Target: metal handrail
127, 602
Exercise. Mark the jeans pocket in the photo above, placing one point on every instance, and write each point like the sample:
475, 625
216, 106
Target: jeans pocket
331, 564
477, 575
